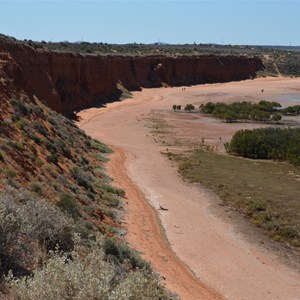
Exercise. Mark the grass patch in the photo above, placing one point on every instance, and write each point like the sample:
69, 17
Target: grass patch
265, 192
100, 147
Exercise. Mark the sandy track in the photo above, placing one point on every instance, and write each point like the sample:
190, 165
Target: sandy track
211, 247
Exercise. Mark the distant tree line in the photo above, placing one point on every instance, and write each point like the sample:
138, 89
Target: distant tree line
263, 111
292, 110
243, 111
267, 143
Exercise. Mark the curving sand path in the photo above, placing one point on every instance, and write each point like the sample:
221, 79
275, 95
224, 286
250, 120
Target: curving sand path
201, 243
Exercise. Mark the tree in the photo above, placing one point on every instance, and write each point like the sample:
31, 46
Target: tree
174, 107
178, 107
276, 118
189, 107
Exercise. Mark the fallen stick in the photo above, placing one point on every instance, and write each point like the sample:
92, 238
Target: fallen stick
162, 208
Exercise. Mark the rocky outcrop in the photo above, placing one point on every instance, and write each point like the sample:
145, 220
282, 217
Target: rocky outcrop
69, 82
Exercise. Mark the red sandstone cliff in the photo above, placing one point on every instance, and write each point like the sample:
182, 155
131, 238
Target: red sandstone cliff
69, 82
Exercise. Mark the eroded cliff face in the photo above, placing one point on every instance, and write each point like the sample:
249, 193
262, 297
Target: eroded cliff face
69, 82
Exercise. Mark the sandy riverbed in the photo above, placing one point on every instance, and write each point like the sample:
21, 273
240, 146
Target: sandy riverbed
212, 248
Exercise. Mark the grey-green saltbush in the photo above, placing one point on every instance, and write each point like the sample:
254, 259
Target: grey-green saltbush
87, 276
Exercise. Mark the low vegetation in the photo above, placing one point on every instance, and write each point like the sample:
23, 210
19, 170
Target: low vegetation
267, 143
262, 111
266, 193
93, 268
59, 236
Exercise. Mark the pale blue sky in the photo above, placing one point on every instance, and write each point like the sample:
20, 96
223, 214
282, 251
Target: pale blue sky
268, 22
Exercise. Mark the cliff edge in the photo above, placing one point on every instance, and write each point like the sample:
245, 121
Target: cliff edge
69, 82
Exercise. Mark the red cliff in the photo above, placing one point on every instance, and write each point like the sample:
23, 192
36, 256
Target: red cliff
69, 82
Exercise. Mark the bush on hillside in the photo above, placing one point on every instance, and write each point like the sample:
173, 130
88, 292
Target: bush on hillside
27, 227
87, 275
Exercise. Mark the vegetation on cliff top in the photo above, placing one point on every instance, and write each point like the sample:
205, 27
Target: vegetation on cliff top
277, 60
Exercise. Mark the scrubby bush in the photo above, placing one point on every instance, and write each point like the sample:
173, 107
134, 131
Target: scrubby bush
20, 107
82, 178
100, 147
87, 276
68, 204
121, 252
22, 123
52, 158
40, 128
113, 190
36, 187
27, 226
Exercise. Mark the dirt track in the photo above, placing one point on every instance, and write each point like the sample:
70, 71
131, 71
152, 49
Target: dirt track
208, 245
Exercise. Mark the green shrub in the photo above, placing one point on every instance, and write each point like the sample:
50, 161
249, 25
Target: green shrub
68, 204
27, 227
36, 139
110, 189
87, 276
257, 205
10, 173
100, 147
22, 123
122, 252
36, 187
289, 232
16, 145
82, 178
52, 158
40, 128
20, 107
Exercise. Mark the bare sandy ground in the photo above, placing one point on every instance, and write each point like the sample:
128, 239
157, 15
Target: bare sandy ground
211, 248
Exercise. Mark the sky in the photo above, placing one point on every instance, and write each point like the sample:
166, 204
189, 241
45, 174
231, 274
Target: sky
243, 22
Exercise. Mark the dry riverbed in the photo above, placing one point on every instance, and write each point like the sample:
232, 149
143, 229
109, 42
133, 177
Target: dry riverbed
200, 254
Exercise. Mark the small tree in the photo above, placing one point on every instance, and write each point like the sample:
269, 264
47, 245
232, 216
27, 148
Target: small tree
178, 107
276, 118
189, 107
174, 107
